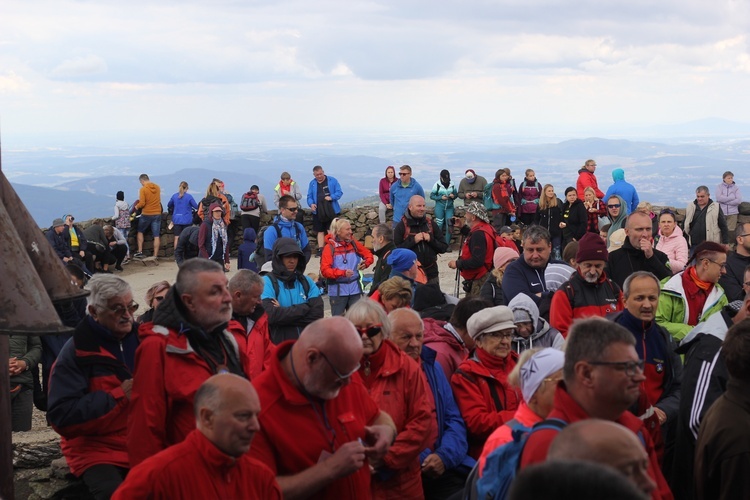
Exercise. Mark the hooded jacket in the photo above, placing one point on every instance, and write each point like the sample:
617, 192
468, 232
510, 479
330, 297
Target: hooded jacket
439, 190
297, 307
672, 312
619, 221
477, 186
734, 278
246, 250
543, 336
441, 337
627, 259
580, 299
729, 198
427, 251
86, 404
384, 187
254, 341
675, 247
587, 179
149, 199
623, 189
175, 357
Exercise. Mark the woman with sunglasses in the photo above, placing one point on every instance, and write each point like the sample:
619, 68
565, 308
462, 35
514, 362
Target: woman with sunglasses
154, 296
397, 385
617, 210
671, 241
480, 384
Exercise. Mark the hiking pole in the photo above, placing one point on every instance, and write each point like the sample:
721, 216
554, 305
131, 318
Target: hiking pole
458, 273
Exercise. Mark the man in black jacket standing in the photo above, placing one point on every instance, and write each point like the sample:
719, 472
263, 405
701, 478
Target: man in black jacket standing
638, 252
737, 262
420, 234
382, 245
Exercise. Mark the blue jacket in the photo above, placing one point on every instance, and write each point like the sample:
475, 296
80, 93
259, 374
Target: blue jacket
400, 196
623, 188
289, 229
333, 187
246, 249
182, 208
451, 445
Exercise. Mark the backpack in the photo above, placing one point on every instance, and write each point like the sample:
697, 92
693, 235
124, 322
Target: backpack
301, 278
502, 464
233, 210
489, 202
260, 249
407, 229
249, 201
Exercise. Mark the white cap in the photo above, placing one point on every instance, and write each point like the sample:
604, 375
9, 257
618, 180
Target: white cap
539, 366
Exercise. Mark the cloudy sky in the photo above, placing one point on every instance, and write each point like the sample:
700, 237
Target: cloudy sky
407, 66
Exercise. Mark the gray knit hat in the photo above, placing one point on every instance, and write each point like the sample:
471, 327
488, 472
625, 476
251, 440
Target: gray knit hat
491, 319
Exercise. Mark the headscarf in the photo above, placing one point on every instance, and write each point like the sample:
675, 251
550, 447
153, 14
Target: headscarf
445, 178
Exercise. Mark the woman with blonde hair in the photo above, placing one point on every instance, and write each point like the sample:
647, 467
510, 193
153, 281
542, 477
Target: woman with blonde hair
549, 216
180, 207
393, 293
214, 195
154, 296
595, 208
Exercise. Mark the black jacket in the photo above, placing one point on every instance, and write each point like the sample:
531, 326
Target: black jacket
576, 220
60, 245
382, 270
627, 259
732, 281
427, 251
550, 219
187, 245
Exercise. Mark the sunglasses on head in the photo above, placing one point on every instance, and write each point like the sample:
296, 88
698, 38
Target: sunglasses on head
370, 331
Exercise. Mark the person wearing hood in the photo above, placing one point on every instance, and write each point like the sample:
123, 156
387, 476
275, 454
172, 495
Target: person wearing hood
384, 192
531, 329
574, 217
471, 187
492, 289
443, 193
190, 339
149, 201
617, 211
341, 261
213, 241
586, 178
623, 189
637, 252
246, 250
480, 384
704, 379
291, 299
416, 231
589, 292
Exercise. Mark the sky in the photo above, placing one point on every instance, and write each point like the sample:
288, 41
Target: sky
98, 69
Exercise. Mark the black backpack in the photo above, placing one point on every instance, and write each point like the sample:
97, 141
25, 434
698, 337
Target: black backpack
300, 277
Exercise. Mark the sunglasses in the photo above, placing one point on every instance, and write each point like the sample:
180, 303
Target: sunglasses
292, 209
370, 331
403, 174
614, 206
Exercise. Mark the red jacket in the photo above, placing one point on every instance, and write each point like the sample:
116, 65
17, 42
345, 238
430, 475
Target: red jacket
451, 352
256, 345
579, 299
568, 410
353, 248
485, 402
196, 468
484, 264
398, 387
587, 179
168, 371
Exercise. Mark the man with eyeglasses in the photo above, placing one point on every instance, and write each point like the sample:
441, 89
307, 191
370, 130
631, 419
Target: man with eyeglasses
401, 192
637, 252
693, 295
90, 387
285, 225
602, 378
319, 427
189, 340
586, 178
704, 220
735, 282
588, 292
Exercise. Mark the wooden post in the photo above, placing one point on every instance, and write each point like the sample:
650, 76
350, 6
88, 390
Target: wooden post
6, 434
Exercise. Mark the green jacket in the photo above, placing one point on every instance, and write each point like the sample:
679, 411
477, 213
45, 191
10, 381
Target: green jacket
672, 312
29, 349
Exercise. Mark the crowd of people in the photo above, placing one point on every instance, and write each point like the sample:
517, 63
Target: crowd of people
595, 339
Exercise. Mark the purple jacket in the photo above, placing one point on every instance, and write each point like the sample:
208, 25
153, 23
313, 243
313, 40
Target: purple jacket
729, 198
384, 190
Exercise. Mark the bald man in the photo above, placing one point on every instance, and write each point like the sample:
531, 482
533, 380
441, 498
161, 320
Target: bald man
637, 252
445, 463
212, 461
319, 425
607, 443
421, 234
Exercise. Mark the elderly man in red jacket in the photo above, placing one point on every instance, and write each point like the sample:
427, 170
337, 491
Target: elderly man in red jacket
602, 376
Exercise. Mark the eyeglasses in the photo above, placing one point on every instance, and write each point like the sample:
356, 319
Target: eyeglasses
743, 235
630, 368
120, 310
342, 377
723, 266
294, 209
614, 206
370, 331
499, 335
403, 174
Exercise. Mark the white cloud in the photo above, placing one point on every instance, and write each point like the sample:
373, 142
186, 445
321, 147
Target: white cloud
82, 66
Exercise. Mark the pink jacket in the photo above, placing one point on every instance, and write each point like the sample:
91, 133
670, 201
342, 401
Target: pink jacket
450, 351
676, 248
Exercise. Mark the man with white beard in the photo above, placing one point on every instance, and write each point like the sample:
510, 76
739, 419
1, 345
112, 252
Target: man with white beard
588, 292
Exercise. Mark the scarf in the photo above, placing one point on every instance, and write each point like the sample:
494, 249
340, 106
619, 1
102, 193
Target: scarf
696, 293
498, 367
284, 188
218, 231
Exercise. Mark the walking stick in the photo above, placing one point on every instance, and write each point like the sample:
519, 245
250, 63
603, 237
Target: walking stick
458, 273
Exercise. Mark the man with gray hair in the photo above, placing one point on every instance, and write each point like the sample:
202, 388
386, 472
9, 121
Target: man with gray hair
246, 288
704, 220
188, 341
526, 275
212, 458
445, 463
475, 260
90, 387
602, 378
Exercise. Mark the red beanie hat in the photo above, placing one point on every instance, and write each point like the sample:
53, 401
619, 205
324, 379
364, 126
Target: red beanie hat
591, 247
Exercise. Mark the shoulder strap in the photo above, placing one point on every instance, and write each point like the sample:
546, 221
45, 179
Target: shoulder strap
495, 397
407, 229
275, 284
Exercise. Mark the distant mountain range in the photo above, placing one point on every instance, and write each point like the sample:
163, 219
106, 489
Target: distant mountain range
83, 181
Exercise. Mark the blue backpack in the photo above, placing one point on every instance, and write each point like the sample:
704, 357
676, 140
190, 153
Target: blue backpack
502, 464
